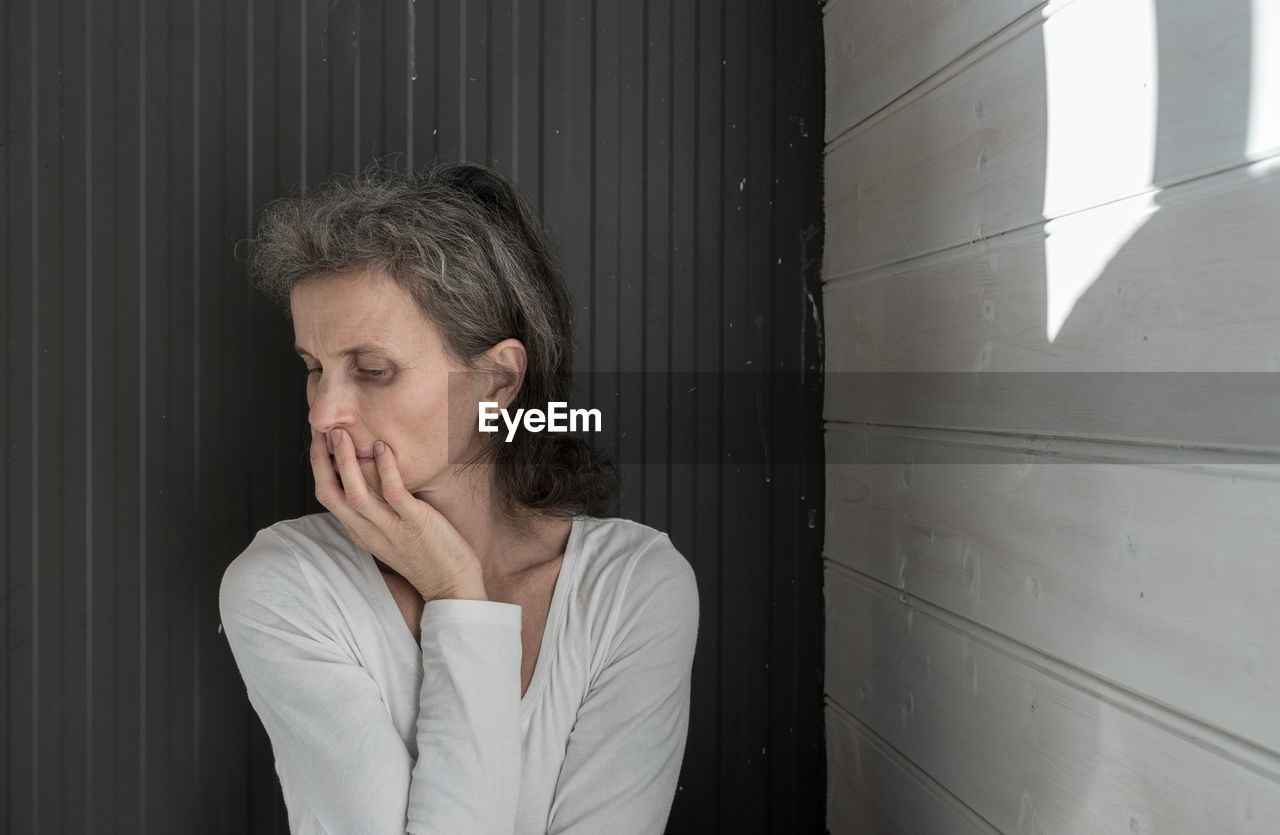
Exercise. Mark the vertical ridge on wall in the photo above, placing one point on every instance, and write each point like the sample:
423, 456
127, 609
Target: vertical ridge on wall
655, 496
37, 628
101, 650
154, 417
142, 220
8, 133
85, 198
187, 43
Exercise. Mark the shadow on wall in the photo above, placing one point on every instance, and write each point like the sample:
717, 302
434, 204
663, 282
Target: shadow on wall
1149, 98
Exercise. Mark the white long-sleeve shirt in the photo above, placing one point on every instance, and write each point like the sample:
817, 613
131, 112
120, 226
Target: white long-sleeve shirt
375, 733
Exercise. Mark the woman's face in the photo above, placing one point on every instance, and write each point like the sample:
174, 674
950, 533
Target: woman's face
377, 368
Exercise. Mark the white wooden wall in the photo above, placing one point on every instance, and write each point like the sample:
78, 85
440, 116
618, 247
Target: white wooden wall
1053, 609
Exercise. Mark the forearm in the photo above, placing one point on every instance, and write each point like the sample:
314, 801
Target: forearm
333, 721
467, 776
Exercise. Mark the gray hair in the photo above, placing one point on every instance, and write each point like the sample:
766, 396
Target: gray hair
473, 254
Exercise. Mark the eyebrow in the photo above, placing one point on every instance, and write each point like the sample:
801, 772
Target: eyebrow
354, 350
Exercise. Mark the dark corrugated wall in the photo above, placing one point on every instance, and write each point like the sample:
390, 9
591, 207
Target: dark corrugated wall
153, 413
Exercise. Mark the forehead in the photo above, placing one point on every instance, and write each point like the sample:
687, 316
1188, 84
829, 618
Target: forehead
332, 313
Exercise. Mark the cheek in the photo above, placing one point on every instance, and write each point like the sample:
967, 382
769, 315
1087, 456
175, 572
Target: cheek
416, 421
431, 428
466, 391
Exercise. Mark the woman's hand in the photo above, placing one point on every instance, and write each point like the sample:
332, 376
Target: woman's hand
406, 533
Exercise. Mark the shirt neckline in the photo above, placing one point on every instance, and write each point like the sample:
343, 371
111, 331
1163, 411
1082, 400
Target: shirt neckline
555, 618
550, 630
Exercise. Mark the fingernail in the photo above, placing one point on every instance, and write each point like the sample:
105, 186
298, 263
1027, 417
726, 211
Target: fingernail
333, 437
378, 447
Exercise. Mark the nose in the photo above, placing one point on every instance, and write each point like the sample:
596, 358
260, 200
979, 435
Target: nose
332, 405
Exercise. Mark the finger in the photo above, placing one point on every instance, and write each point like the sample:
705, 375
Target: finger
393, 489
329, 491
328, 486
356, 490
332, 493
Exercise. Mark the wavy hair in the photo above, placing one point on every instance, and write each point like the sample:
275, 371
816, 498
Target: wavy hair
467, 246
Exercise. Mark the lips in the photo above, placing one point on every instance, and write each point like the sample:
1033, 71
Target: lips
360, 456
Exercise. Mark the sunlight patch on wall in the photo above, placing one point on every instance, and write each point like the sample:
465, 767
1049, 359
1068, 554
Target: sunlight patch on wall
1100, 76
1264, 85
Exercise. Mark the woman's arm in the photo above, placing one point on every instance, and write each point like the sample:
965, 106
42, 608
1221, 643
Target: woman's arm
339, 755
469, 750
624, 753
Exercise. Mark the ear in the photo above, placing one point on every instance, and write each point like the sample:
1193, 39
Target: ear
508, 361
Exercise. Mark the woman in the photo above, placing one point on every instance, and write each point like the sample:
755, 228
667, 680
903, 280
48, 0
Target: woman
460, 645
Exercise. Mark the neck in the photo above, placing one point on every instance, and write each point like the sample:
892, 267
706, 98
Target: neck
504, 545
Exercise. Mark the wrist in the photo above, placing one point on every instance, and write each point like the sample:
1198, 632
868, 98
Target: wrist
465, 585
470, 589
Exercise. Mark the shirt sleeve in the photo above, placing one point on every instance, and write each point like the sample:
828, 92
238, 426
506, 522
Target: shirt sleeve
338, 754
624, 752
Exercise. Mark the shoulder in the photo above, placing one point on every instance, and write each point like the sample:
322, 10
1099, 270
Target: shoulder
632, 577
287, 562
619, 551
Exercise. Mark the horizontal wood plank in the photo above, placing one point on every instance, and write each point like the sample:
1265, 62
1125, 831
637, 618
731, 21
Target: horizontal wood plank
1022, 748
1231, 416
877, 51
1189, 292
1173, 298
870, 788
1052, 122
1124, 571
